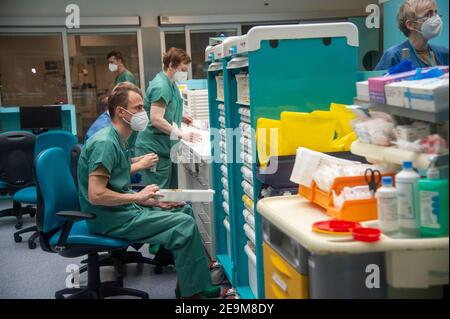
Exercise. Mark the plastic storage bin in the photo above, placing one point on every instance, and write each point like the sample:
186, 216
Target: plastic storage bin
243, 90
220, 90
251, 270
281, 280
347, 276
355, 210
226, 224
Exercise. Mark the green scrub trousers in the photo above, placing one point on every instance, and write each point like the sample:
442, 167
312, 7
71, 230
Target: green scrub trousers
152, 140
175, 229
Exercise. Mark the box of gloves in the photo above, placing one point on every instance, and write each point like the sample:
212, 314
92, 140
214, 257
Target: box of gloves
430, 95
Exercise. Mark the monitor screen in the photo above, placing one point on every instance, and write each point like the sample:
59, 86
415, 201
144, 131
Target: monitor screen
40, 117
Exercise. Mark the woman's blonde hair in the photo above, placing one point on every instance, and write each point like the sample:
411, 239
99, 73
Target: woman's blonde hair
407, 12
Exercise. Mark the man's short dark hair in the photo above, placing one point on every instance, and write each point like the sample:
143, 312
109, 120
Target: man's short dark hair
117, 55
102, 102
119, 96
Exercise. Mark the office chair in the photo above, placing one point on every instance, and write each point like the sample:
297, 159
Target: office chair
63, 228
16, 164
61, 139
116, 258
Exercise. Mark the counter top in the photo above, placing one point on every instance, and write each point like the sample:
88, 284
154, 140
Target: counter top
294, 215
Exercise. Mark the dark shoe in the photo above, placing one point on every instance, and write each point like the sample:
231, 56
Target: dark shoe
164, 256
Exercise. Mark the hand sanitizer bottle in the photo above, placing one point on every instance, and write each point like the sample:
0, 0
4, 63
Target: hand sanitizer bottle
407, 183
433, 198
386, 197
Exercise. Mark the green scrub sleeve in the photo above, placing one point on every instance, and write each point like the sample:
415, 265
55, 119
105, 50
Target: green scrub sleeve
160, 92
102, 155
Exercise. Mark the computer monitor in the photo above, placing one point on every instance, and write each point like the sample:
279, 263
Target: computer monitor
40, 117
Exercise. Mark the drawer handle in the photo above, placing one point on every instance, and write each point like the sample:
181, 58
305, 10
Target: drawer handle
278, 294
280, 266
279, 282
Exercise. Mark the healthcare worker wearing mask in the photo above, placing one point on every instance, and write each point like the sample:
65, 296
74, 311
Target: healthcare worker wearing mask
420, 22
164, 103
104, 185
116, 64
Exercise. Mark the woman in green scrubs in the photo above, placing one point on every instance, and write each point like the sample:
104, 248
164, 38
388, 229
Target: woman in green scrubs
163, 102
104, 171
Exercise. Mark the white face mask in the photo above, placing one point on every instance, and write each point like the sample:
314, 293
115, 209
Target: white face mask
113, 67
431, 27
139, 121
180, 77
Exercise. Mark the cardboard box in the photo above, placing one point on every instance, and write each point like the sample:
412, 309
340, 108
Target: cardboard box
362, 91
395, 93
377, 84
430, 95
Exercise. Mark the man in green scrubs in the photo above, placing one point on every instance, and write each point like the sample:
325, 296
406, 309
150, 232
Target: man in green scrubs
116, 64
104, 189
164, 103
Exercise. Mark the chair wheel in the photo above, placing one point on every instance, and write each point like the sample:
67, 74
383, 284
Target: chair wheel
158, 270
32, 245
17, 238
19, 225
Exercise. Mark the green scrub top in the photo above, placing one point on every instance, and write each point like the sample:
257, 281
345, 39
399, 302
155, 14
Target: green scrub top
152, 139
126, 76
106, 149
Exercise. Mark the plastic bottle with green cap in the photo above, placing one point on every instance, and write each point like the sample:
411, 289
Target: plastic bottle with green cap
433, 201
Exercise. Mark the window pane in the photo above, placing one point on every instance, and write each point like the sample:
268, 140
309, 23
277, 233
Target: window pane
199, 42
32, 70
90, 74
177, 40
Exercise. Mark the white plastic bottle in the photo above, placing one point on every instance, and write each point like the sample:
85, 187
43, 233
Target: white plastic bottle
407, 182
387, 206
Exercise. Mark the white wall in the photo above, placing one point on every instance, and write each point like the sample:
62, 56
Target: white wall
149, 10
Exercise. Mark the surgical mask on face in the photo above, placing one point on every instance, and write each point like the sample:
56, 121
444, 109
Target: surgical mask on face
113, 67
431, 27
180, 77
139, 120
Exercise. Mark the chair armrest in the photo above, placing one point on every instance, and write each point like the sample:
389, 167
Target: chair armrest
75, 215
71, 216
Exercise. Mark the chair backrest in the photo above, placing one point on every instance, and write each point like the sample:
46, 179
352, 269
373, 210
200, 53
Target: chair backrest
76, 151
55, 187
16, 158
57, 138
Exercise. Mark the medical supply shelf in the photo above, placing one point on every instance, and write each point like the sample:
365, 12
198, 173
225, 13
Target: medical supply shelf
390, 154
294, 216
275, 84
430, 117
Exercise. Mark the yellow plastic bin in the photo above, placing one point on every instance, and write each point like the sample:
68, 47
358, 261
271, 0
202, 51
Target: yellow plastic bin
313, 131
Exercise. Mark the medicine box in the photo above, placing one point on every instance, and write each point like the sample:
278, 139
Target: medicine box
377, 85
429, 95
395, 93
362, 91
187, 195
